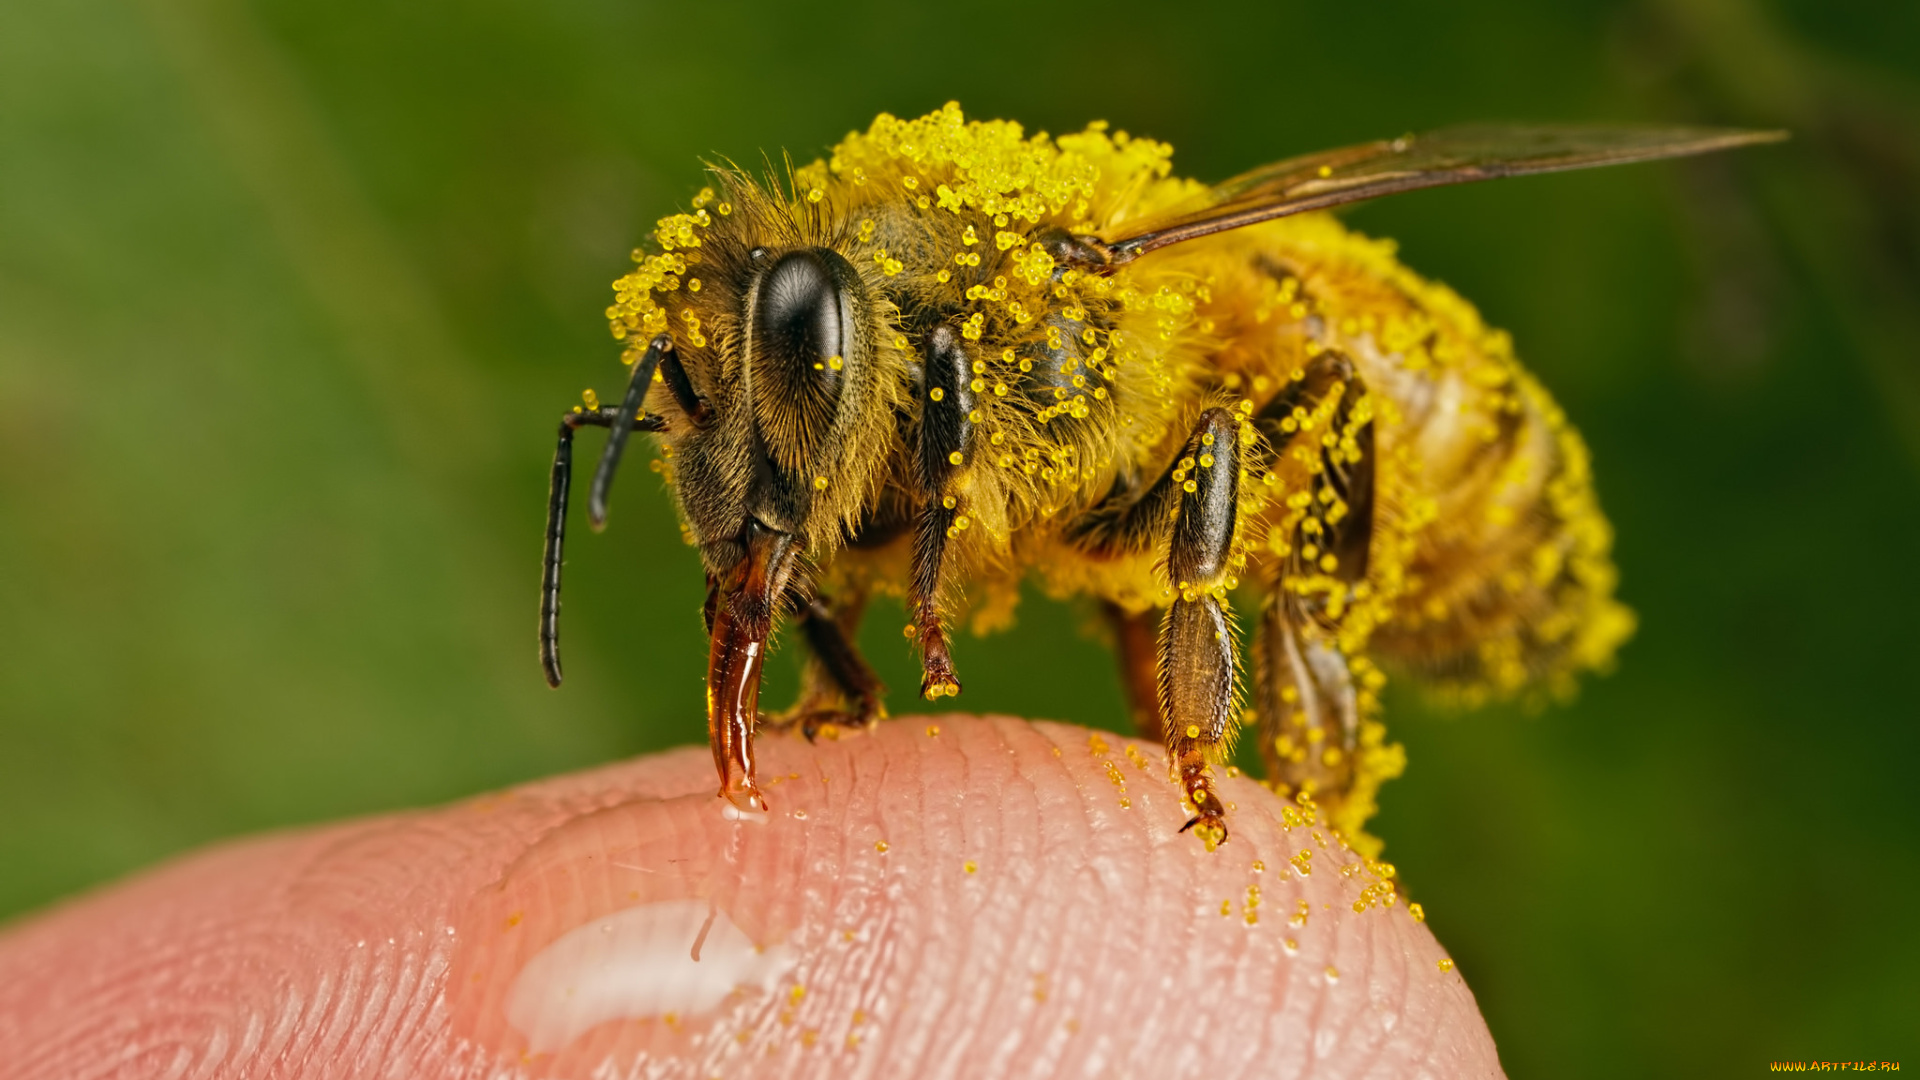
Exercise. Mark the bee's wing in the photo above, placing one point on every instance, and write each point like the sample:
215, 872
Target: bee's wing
1455, 155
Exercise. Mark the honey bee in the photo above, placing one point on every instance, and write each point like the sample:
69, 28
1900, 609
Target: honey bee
951, 357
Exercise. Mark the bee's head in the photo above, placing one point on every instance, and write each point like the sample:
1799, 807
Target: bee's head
795, 358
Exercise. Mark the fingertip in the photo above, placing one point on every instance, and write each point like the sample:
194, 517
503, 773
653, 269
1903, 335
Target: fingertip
943, 898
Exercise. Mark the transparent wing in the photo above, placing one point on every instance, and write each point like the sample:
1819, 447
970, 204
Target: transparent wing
1456, 155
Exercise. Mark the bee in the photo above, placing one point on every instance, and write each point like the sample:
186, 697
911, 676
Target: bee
951, 357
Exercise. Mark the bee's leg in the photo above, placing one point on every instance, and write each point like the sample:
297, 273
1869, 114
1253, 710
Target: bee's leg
1324, 403
837, 685
1197, 687
1135, 646
945, 429
1309, 714
1311, 728
559, 486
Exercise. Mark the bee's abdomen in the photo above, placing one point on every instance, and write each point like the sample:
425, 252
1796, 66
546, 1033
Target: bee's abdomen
1489, 563
1509, 580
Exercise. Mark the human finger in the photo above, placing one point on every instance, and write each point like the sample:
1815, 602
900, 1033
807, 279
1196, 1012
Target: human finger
952, 897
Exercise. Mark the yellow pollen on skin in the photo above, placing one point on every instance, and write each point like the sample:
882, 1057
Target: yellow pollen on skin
970, 866
1446, 963
880, 846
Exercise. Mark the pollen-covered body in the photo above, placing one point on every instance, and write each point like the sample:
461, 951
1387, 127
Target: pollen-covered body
1401, 488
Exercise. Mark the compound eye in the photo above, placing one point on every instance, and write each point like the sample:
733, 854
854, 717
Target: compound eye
800, 321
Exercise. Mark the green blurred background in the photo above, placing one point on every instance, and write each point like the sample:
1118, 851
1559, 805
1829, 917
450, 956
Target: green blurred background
290, 295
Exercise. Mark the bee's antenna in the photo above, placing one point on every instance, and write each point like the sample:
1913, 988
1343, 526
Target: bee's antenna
623, 422
558, 488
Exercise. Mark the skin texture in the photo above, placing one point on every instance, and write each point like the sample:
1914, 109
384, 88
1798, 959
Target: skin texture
950, 898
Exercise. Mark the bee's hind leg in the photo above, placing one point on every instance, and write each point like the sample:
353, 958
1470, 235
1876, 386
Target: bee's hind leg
1313, 737
1309, 713
1197, 678
836, 686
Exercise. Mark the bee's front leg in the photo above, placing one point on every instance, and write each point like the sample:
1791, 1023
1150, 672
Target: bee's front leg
1197, 680
944, 432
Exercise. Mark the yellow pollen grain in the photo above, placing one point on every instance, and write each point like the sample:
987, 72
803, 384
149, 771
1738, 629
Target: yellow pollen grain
1446, 963
933, 730
820, 483
970, 866
880, 846
1419, 913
